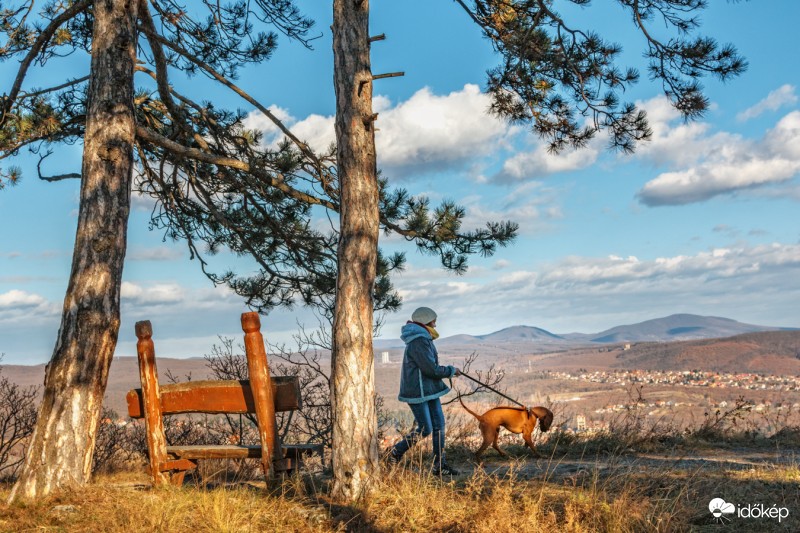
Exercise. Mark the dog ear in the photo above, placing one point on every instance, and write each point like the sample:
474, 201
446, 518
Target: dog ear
545, 417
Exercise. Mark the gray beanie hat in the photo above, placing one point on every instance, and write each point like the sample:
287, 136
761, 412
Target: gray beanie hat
423, 315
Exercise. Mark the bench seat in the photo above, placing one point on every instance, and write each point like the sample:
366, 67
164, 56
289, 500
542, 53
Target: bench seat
235, 451
211, 451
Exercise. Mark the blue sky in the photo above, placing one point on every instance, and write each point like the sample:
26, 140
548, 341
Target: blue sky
703, 219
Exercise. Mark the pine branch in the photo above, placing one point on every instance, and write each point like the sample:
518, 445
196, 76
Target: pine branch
7, 102
198, 155
223, 80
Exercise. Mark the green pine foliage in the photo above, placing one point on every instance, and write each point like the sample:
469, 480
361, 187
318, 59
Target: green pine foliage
552, 74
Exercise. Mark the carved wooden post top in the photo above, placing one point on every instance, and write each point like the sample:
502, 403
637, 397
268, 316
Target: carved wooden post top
251, 322
144, 330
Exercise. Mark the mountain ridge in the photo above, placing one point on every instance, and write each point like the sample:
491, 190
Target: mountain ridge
675, 327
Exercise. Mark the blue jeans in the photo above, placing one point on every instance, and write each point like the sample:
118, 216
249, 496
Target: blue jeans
430, 420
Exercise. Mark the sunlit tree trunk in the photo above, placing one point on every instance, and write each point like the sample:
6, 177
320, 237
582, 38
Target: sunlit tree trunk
62, 446
355, 447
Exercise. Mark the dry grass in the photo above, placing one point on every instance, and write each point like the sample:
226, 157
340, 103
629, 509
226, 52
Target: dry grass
625, 497
115, 504
405, 501
484, 503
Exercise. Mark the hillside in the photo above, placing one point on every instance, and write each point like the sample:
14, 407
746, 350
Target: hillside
775, 352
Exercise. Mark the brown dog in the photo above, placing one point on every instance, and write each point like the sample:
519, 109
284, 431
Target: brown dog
514, 419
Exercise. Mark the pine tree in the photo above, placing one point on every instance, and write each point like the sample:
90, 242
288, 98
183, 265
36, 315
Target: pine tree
75, 378
114, 121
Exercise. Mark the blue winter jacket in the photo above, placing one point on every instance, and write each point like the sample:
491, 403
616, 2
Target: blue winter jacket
421, 377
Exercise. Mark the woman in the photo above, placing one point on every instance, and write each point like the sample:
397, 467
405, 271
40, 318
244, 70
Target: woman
421, 386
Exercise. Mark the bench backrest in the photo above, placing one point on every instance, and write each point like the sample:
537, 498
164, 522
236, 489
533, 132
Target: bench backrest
217, 397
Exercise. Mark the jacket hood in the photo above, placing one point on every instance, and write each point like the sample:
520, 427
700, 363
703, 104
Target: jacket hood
412, 331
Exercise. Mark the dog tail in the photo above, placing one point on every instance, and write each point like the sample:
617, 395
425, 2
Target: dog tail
476, 415
545, 417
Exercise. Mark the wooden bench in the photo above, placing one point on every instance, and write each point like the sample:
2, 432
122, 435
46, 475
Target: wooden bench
261, 394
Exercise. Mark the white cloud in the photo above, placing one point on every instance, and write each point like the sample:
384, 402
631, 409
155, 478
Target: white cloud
429, 131
425, 133
782, 96
716, 263
676, 142
164, 293
24, 308
724, 164
317, 131
256, 120
16, 299
158, 253
186, 320
540, 162
501, 264
142, 202
532, 205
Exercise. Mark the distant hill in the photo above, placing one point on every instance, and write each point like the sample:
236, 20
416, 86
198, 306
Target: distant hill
510, 334
675, 328
528, 338
773, 352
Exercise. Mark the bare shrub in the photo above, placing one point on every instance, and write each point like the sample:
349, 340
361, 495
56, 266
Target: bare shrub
17, 422
780, 418
719, 425
633, 428
311, 423
491, 377
112, 448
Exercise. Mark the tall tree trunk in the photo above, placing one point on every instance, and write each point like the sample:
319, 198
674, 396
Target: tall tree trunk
62, 446
355, 446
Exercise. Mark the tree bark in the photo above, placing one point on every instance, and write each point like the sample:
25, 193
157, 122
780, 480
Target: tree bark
355, 446
62, 446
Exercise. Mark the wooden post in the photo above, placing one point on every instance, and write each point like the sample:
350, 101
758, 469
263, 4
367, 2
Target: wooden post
153, 420
261, 385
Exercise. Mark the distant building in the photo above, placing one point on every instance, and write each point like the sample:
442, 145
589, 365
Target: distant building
580, 420
385, 358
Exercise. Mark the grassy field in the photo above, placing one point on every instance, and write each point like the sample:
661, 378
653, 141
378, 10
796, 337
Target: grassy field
577, 485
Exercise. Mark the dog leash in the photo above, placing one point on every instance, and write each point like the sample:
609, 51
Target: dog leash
490, 388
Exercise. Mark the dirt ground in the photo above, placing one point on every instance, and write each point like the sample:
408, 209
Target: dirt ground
525, 466
747, 476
